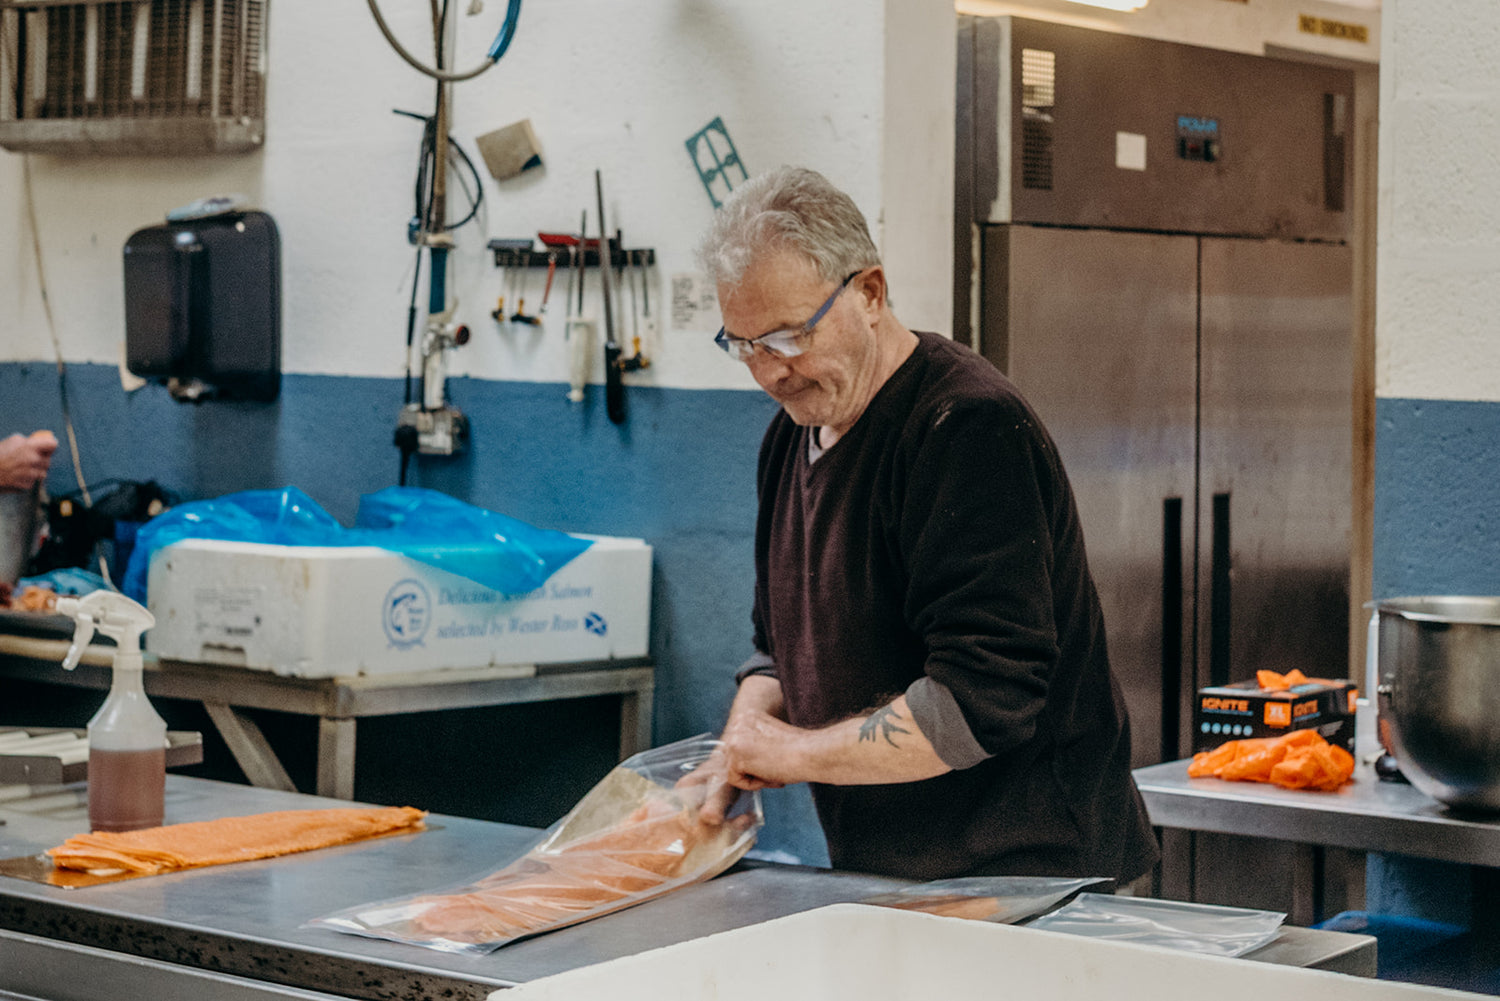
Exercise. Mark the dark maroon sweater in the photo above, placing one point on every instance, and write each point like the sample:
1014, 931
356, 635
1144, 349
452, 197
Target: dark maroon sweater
935, 551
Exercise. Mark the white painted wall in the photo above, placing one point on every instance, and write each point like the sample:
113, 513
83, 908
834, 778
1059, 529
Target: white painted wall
863, 92
1438, 270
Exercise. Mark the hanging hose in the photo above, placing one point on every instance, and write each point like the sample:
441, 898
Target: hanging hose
497, 48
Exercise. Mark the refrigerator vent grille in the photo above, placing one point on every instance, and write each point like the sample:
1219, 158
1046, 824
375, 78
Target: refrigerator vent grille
1038, 97
160, 76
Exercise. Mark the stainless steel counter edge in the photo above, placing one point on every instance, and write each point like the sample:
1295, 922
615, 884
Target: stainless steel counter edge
43, 968
1366, 815
248, 920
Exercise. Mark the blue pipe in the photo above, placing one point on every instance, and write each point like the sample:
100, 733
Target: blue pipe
507, 31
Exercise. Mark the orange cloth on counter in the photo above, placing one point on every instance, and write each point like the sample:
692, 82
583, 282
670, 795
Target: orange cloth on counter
1300, 759
231, 839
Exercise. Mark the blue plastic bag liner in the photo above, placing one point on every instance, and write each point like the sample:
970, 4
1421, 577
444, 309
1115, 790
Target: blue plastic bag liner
489, 548
492, 549
67, 581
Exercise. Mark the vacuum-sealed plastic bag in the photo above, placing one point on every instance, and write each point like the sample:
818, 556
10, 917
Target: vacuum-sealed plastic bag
1001, 899
1172, 924
636, 835
486, 547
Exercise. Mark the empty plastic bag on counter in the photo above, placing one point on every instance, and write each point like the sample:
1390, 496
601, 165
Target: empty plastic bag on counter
1171, 924
1001, 899
486, 547
635, 836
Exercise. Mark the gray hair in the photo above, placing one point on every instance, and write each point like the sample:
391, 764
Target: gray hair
791, 208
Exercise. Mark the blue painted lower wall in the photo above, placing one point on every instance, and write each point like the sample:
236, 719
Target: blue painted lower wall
680, 474
1437, 497
1437, 531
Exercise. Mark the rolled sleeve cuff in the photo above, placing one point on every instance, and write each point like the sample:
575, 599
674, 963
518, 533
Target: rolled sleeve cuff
936, 712
761, 664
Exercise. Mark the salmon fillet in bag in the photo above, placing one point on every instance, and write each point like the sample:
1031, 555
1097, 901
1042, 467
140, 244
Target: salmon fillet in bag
635, 836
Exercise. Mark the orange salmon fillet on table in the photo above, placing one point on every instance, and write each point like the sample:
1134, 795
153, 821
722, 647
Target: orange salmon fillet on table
545, 888
231, 839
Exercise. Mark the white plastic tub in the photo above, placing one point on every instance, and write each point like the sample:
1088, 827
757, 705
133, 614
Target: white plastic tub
314, 611
850, 952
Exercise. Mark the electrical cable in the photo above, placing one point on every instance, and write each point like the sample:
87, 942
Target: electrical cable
422, 196
429, 212
411, 320
62, 368
497, 48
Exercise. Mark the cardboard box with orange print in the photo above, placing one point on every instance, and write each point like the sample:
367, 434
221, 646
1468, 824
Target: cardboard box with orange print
1245, 709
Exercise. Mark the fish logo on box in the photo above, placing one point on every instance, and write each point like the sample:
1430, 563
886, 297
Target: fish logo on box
407, 613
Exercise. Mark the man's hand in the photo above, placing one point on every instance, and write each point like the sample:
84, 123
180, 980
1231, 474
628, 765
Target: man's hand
717, 780
24, 459
708, 787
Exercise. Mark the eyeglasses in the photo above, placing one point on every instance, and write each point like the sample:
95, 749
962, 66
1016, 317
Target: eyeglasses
779, 343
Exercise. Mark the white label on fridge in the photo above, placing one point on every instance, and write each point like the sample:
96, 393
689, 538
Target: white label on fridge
1130, 151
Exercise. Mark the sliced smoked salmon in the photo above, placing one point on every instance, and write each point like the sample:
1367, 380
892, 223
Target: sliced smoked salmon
231, 839
636, 835
545, 888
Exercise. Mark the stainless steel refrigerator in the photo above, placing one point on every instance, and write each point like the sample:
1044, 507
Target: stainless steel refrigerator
1152, 243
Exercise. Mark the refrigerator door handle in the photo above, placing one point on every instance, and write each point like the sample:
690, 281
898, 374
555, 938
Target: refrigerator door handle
1171, 627
1219, 594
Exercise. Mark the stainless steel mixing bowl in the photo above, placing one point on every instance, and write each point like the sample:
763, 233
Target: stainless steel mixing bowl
1439, 694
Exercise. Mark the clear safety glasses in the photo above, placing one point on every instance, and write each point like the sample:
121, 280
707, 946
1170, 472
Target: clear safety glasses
787, 343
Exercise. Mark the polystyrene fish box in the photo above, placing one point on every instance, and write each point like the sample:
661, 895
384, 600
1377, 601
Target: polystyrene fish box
315, 611
851, 952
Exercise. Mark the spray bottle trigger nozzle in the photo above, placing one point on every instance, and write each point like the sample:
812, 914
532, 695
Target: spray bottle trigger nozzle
81, 638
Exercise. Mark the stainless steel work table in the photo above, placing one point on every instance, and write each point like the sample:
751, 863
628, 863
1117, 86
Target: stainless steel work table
1367, 815
338, 703
246, 919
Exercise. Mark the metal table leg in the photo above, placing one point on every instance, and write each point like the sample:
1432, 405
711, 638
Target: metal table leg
635, 721
252, 752
336, 757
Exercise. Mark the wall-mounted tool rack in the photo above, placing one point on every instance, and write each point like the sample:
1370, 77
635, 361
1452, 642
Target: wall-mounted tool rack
508, 255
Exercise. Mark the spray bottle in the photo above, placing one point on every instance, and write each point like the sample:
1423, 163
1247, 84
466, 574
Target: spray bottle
127, 739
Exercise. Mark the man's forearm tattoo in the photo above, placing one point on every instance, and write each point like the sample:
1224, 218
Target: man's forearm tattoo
881, 723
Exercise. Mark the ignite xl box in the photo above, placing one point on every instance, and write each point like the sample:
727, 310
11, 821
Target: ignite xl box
1244, 709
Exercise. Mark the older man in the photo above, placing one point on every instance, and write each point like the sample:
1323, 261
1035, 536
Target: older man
930, 653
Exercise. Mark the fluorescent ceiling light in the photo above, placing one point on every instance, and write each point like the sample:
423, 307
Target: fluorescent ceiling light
1125, 5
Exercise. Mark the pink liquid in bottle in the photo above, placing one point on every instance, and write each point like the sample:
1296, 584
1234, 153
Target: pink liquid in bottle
126, 789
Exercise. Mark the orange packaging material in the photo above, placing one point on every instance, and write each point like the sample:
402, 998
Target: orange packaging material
231, 839
1270, 681
1300, 759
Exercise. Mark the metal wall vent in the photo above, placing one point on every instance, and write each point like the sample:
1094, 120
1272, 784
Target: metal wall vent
132, 76
1038, 97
